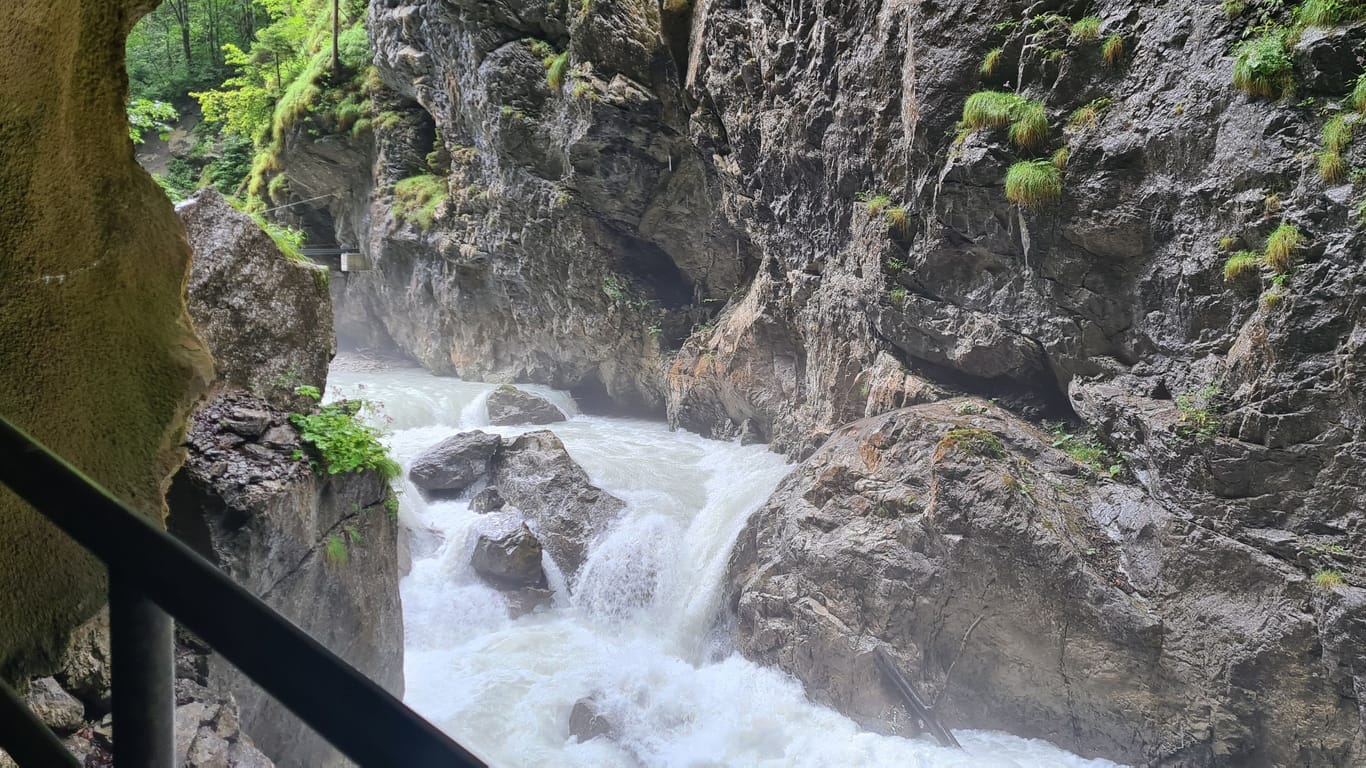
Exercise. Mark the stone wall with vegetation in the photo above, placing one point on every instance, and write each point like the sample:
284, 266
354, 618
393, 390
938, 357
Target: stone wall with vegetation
92, 277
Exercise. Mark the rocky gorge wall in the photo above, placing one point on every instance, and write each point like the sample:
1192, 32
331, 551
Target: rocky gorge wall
86, 285
762, 218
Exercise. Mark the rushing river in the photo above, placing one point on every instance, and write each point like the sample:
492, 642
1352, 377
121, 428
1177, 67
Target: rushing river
676, 693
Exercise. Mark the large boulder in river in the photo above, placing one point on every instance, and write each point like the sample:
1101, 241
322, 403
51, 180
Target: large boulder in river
535, 474
1098, 625
511, 560
454, 464
266, 319
510, 406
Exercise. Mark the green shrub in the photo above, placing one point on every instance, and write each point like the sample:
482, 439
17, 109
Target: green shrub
876, 204
992, 62
290, 241
897, 296
559, 66
1029, 130
1113, 50
1242, 264
1280, 248
1263, 66
1273, 298
1086, 30
416, 199
1034, 183
1061, 158
1086, 448
334, 551
1198, 414
341, 442
1330, 13
1358, 97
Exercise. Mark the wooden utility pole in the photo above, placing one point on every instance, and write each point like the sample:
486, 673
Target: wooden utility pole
336, 35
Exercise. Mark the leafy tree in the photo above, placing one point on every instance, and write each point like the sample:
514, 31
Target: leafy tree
146, 115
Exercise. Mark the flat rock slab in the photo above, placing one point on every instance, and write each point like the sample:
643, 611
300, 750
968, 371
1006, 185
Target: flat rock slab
510, 406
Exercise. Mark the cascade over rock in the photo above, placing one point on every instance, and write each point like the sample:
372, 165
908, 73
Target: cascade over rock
762, 218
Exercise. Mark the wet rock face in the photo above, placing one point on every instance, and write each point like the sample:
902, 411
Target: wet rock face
508, 406
264, 341
455, 463
511, 561
321, 550
1094, 602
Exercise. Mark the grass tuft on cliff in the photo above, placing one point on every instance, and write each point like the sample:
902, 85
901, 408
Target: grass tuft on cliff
1330, 13
1242, 264
972, 441
992, 62
1328, 580
341, 442
1281, 247
1358, 97
416, 199
1029, 130
1263, 66
1112, 52
1026, 118
1087, 30
1034, 183
558, 68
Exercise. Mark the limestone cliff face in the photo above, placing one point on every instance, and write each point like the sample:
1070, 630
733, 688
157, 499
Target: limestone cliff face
92, 276
798, 166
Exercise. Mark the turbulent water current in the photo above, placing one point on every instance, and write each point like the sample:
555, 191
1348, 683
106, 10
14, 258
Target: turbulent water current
663, 674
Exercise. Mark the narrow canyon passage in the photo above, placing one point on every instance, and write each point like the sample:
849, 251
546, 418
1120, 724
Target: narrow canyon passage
638, 635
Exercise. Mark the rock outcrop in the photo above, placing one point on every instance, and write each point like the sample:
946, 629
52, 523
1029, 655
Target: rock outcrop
455, 463
535, 474
1093, 617
320, 549
267, 319
510, 406
97, 357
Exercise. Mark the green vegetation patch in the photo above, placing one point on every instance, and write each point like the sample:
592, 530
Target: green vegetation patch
1330, 13
340, 441
416, 199
1242, 265
1281, 247
972, 441
1034, 183
1029, 129
1026, 118
1329, 580
991, 63
558, 68
1089, 114
1263, 66
1087, 29
1087, 449
1112, 52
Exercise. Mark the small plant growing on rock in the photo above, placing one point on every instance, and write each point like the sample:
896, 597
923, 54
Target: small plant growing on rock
1029, 129
1061, 158
897, 296
341, 441
1358, 97
972, 441
1228, 243
1263, 66
555, 72
334, 551
1087, 30
989, 109
1332, 167
1273, 297
1328, 580
899, 220
1199, 414
1088, 450
1089, 114
1233, 8
391, 506
1241, 265
1337, 133
876, 204
1034, 183
1112, 52
992, 62
1281, 247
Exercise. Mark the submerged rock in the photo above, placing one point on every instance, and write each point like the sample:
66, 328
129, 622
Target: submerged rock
486, 501
456, 462
535, 474
1082, 602
510, 561
587, 723
510, 406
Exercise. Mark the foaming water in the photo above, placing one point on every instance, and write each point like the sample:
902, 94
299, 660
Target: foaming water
634, 635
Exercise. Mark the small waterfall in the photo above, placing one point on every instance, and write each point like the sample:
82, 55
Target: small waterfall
635, 633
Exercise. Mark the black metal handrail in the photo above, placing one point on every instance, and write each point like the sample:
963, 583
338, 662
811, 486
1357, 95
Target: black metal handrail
147, 565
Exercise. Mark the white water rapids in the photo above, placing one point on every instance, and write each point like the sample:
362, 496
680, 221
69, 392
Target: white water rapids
504, 688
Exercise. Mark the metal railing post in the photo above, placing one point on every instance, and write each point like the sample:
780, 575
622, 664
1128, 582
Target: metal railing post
142, 646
